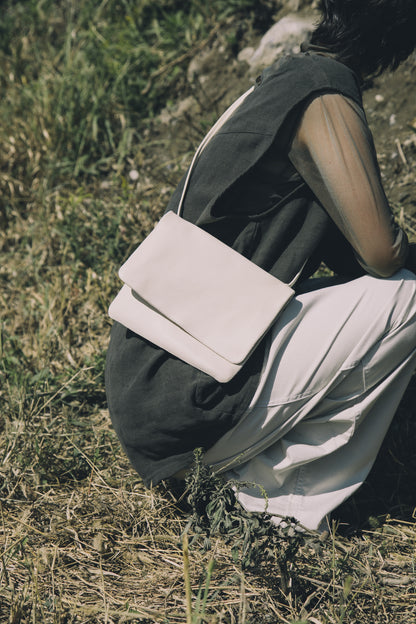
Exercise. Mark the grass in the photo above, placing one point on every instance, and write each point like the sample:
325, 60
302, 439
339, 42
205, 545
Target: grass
81, 539
78, 78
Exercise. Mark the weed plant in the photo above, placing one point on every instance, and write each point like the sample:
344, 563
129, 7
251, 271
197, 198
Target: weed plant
86, 167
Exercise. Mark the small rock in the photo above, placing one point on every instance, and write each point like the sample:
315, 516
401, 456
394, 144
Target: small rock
184, 106
285, 36
165, 116
379, 97
245, 55
398, 581
133, 175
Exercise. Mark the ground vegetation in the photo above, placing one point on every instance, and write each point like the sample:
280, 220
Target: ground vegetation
102, 104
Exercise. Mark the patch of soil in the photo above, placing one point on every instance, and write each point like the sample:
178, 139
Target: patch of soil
390, 104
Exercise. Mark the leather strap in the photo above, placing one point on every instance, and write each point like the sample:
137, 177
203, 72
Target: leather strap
218, 124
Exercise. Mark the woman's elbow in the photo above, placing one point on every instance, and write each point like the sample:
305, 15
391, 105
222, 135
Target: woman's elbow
382, 264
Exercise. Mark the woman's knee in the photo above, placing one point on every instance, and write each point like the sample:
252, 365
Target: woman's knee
394, 296
403, 296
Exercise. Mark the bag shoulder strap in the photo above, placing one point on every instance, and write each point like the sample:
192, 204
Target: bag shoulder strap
218, 124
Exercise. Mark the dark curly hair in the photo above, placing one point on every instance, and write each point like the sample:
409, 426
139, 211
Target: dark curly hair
370, 36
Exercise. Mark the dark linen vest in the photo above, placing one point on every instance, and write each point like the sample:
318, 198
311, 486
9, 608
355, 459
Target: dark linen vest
245, 192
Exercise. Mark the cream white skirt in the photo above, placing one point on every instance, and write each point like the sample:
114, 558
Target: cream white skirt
338, 363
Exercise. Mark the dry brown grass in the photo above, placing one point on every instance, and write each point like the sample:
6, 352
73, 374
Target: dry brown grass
81, 540
104, 549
